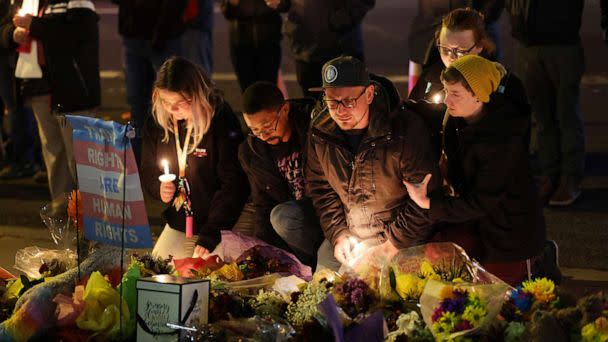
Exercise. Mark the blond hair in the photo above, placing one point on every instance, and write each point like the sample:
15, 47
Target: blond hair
184, 77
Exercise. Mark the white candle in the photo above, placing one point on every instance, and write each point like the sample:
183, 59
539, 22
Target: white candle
165, 166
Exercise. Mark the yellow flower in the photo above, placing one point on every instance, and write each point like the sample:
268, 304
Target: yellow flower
229, 272
427, 271
542, 289
474, 314
409, 286
590, 333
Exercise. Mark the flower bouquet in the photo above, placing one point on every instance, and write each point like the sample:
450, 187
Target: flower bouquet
540, 293
453, 310
407, 273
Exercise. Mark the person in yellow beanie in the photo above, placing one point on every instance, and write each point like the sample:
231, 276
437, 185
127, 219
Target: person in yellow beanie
488, 204
462, 33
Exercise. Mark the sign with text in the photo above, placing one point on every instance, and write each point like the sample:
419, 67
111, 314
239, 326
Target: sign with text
99, 151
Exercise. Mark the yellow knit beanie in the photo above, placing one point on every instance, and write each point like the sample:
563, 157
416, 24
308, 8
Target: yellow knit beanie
482, 75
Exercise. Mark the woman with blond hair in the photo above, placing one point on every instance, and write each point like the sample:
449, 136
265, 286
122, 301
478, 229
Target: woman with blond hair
196, 132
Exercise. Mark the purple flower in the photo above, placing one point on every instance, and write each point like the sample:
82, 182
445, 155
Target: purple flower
455, 305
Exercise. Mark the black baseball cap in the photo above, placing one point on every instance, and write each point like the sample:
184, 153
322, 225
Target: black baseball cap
345, 71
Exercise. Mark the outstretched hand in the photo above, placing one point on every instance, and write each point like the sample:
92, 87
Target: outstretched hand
418, 192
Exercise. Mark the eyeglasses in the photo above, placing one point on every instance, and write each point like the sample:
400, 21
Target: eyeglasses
266, 128
179, 104
346, 103
454, 52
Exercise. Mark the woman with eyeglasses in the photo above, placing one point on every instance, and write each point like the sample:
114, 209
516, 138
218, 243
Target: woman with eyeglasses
195, 131
462, 33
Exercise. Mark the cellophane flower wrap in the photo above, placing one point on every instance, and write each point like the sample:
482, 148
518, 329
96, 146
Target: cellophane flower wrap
452, 309
403, 276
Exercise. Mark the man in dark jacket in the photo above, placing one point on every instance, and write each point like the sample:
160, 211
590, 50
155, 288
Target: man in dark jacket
255, 40
551, 67
357, 155
319, 30
272, 157
66, 38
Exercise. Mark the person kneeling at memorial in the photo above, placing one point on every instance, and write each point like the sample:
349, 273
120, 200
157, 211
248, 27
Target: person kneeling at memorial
358, 152
489, 198
272, 157
198, 135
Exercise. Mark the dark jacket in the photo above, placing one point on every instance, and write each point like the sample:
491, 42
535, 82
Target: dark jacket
68, 31
199, 15
545, 22
429, 16
318, 30
218, 185
154, 20
511, 88
489, 168
361, 193
268, 186
253, 23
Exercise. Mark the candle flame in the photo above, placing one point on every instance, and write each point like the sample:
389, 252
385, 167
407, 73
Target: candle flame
437, 98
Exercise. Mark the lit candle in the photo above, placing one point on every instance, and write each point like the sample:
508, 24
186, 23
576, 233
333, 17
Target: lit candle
166, 177
357, 249
165, 166
437, 98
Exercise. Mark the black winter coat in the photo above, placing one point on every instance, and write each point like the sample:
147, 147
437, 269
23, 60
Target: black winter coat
490, 170
546, 22
319, 30
252, 23
155, 20
70, 40
268, 186
218, 185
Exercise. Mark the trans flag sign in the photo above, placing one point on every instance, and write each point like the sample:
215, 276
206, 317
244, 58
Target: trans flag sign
99, 151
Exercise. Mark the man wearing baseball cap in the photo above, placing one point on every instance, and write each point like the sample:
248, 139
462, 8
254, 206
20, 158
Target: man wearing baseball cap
358, 153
